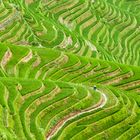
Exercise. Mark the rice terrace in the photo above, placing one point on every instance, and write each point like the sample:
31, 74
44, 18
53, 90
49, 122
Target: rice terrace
69, 69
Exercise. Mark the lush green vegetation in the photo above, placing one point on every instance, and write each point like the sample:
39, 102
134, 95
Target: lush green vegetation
69, 70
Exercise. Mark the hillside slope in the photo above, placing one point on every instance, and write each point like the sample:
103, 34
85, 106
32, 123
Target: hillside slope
69, 70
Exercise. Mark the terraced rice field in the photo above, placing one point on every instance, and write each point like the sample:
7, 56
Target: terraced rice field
69, 70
